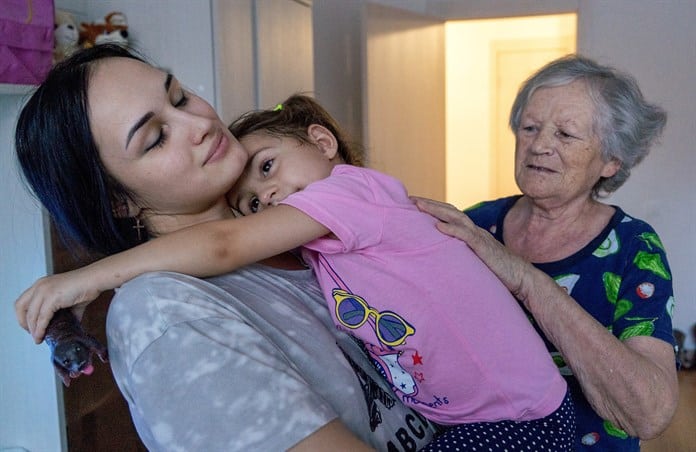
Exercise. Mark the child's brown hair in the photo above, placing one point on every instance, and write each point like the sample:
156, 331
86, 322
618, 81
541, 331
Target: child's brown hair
291, 119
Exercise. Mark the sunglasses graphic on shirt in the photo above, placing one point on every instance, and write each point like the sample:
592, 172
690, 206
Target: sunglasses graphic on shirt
352, 311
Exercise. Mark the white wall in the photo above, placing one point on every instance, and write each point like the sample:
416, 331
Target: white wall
656, 42
28, 389
176, 34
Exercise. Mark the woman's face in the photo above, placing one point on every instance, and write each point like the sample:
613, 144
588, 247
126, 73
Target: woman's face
163, 143
557, 153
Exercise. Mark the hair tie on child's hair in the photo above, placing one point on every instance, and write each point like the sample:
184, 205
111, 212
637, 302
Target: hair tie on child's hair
278, 107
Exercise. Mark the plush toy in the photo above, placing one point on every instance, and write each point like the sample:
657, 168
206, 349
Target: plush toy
71, 347
65, 34
116, 21
89, 33
114, 29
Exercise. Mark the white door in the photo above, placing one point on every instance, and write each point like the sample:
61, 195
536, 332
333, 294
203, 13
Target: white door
512, 62
409, 132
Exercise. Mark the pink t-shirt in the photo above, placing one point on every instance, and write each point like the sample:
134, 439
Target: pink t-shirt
445, 332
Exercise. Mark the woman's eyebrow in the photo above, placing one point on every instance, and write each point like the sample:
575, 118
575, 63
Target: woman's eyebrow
146, 117
168, 81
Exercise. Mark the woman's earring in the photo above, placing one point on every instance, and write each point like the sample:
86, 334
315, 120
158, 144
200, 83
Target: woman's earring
138, 226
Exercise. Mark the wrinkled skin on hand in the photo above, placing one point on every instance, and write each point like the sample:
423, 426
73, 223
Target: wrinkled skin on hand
71, 347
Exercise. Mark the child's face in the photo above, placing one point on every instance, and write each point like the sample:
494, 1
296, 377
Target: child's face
278, 167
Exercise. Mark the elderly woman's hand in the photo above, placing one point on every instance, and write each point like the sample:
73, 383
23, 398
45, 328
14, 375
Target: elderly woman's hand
454, 222
512, 270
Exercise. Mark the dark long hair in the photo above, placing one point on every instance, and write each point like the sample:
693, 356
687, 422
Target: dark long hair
59, 158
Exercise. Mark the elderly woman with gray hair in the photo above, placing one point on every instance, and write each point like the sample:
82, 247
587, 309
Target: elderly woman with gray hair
605, 312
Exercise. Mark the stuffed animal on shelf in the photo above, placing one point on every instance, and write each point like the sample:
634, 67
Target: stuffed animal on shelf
116, 20
66, 35
114, 30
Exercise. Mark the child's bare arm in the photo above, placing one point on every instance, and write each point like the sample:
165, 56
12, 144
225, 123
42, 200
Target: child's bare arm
203, 250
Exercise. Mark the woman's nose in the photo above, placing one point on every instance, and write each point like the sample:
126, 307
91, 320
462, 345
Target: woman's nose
200, 128
543, 142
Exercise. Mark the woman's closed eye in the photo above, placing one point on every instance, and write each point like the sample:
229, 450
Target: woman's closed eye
183, 99
160, 141
563, 134
162, 137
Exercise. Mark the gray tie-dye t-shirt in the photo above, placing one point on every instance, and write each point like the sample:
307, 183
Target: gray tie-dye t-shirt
245, 361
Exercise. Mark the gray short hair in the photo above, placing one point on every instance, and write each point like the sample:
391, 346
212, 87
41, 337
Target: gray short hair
625, 123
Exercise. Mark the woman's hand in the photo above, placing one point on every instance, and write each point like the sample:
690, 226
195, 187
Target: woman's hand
36, 306
455, 223
511, 269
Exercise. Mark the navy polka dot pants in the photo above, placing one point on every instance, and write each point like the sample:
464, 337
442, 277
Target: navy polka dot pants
555, 432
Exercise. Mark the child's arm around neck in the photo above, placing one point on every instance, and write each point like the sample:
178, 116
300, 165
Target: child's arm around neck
212, 248
202, 250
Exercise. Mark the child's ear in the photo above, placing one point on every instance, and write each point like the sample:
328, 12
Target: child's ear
323, 139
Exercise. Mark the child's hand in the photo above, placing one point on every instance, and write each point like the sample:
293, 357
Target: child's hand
36, 306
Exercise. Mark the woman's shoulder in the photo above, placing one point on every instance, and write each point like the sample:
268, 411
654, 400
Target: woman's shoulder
266, 330
160, 290
619, 241
629, 236
176, 341
145, 308
639, 241
495, 205
630, 224
490, 214
162, 299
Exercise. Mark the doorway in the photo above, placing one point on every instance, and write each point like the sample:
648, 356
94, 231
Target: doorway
486, 61
436, 97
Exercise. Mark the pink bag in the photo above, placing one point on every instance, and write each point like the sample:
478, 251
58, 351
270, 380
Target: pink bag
26, 40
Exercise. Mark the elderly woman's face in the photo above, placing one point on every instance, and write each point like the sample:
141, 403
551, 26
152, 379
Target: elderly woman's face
162, 142
557, 154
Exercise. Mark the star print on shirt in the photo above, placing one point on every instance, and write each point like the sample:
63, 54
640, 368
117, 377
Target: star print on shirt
417, 359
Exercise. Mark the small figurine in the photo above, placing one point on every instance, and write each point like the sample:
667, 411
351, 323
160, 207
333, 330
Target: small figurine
71, 347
